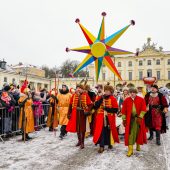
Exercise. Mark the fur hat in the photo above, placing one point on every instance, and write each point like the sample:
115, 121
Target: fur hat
155, 86
99, 86
87, 87
83, 86
125, 89
133, 90
109, 87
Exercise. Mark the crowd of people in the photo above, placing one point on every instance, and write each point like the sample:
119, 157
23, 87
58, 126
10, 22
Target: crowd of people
102, 112
10, 99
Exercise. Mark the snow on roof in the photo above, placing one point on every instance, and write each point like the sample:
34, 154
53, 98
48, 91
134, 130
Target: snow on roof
20, 65
8, 69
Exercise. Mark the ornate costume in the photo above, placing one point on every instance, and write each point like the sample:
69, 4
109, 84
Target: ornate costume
133, 111
80, 104
26, 118
105, 132
63, 106
155, 117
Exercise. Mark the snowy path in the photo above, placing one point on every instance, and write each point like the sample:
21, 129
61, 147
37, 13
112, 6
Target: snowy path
48, 152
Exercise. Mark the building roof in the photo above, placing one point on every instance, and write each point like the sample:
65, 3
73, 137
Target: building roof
166, 52
21, 65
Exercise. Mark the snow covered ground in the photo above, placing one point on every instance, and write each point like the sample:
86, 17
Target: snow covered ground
47, 151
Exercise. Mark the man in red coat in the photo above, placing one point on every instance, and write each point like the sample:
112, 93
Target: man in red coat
156, 109
80, 105
133, 111
105, 132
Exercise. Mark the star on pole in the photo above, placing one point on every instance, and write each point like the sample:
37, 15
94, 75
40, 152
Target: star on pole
100, 48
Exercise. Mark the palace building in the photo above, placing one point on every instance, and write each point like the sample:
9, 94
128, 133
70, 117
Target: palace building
148, 62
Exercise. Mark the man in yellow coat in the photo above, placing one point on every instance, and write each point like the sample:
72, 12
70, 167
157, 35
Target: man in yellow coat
63, 106
26, 118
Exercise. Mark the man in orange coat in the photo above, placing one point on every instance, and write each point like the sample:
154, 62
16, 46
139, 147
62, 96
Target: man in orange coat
63, 106
105, 132
133, 111
80, 104
26, 118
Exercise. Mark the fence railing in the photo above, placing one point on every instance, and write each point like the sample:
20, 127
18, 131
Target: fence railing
9, 120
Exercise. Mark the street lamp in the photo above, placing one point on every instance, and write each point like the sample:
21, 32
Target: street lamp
114, 79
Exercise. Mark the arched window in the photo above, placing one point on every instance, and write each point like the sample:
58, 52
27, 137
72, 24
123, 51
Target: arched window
149, 62
149, 73
140, 63
158, 62
130, 63
119, 64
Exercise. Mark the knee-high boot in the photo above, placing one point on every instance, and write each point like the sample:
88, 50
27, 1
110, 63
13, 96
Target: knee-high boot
137, 147
151, 134
130, 150
79, 139
158, 134
82, 140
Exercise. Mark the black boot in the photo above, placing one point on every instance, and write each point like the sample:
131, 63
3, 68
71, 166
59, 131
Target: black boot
158, 134
63, 131
51, 129
27, 137
82, 140
151, 135
79, 139
24, 137
110, 147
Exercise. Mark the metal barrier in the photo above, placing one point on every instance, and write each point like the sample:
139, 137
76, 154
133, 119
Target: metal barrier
9, 120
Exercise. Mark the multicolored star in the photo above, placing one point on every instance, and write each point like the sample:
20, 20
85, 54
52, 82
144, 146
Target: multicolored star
100, 49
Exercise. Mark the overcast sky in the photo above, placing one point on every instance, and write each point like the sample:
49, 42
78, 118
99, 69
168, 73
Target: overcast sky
38, 31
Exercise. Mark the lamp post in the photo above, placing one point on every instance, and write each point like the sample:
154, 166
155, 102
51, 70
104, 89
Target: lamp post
114, 79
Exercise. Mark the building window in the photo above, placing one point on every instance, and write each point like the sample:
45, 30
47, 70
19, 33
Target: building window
168, 75
119, 64
46, 86
168, 61
130, 75
104, 76
130, 63
149, 73
158, 73
140, 63
158, 62
5, 79
140, 75
149, 62
13, 80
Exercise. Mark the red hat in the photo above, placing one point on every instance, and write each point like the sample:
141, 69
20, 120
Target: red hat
24, 86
